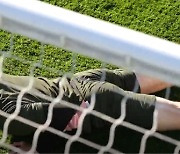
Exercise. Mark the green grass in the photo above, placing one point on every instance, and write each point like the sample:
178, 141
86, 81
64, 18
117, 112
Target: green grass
154, 17
160, 18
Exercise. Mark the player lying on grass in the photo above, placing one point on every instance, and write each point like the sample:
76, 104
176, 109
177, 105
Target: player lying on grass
78, 89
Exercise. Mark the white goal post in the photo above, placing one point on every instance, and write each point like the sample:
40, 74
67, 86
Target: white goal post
92, 37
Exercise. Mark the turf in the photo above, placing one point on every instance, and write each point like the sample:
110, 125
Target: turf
160, 18
154, 17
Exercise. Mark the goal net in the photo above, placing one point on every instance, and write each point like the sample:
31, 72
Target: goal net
33, 32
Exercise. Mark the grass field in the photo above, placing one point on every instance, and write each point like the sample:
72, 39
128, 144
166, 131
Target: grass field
160, 18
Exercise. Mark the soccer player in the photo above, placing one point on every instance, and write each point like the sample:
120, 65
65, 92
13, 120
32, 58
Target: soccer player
110, 88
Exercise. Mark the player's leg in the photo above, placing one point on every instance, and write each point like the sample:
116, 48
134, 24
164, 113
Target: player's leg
139, 108
125, 79
150, 85
122, 78
168, 114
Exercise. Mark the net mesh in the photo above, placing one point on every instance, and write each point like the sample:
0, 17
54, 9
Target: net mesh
38, 63
23, 56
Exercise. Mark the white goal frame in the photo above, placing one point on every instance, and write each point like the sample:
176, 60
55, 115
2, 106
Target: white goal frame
92, 37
